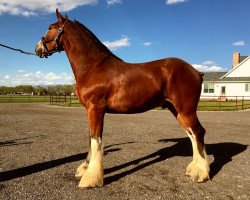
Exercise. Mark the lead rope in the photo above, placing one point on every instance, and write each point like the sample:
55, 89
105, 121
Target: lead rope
21, 51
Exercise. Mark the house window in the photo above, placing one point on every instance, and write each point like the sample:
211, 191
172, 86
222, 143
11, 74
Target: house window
247, 87
208, 88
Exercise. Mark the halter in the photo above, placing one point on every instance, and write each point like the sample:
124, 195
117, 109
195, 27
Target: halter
56, 39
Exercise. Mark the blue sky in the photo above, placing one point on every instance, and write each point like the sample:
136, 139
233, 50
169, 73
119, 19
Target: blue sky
204, 33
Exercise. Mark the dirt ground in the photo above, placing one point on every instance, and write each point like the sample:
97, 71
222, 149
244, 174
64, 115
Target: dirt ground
145, 155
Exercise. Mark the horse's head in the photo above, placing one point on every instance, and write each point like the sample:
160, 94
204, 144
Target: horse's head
51, 42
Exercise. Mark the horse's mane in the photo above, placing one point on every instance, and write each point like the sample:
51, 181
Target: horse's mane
95, 39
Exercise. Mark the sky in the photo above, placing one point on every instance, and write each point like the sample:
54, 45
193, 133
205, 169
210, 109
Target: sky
205, 33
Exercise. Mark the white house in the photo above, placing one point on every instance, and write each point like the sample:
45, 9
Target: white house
229, 85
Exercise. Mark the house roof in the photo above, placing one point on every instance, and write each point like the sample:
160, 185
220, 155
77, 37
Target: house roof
242, 58
213, 76
238, 79
223, 76
237, 66
219, 77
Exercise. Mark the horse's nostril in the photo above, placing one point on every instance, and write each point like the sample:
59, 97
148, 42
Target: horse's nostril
38, 51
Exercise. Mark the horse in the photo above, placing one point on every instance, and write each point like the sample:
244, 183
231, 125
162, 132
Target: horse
107, 84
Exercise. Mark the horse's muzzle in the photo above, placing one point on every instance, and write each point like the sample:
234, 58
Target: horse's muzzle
39, 51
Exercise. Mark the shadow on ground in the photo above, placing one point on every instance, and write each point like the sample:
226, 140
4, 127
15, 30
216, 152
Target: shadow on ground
19, 141
222, 152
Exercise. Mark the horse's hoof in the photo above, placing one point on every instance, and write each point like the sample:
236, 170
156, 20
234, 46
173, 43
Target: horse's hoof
92, 178
90, 182
81, 170
197, 173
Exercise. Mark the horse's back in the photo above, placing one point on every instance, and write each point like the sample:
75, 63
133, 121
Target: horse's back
174, 73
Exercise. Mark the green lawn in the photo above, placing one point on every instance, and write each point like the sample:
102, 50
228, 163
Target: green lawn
223, 106
23, 99
72, 101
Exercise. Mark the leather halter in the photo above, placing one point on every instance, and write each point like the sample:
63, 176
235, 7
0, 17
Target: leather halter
56, 39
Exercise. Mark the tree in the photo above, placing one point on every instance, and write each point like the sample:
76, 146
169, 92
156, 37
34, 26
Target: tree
40, 90
51, 90
5, 90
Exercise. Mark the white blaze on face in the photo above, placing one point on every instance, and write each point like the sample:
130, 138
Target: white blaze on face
39, 44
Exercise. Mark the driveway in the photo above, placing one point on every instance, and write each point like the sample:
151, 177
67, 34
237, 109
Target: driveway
145, 155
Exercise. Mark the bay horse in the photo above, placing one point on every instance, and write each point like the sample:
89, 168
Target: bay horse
107, 84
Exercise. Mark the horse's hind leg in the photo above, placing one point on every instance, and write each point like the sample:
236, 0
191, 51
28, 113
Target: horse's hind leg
199, 167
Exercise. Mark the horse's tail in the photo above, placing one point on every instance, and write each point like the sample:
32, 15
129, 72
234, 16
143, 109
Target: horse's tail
201, 74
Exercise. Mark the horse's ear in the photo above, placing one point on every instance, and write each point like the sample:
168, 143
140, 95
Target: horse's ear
59, 16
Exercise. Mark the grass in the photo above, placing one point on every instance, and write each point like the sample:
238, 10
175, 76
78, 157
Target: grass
202, 106
23, 99
73, 102
223, 106
67, 101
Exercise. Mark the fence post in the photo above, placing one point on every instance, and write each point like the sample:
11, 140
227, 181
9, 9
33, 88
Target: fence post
236, 104
219, 103
242, 105
69, 100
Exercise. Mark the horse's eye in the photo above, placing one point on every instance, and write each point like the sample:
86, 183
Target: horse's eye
50, 27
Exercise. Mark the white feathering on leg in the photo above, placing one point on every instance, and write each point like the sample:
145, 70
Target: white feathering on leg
93, 177
199, 167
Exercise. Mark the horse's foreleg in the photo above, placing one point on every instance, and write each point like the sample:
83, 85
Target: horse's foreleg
83, 167
92, 168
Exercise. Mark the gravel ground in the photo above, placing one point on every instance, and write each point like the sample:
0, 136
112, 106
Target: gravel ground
145, 155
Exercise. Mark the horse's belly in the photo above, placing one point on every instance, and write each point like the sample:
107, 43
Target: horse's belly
135, 101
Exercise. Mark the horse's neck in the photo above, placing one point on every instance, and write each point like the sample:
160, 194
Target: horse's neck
83, 49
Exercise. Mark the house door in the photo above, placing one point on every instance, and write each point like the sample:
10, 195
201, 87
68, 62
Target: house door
223, 91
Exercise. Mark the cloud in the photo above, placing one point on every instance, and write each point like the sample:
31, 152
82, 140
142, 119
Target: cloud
7, 77
147, 43
239, 43
208, 62
123, 42
37, 78
170, 2
30, 8
209, 66
112, 2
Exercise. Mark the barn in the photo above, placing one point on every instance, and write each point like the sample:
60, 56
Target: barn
229, 85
